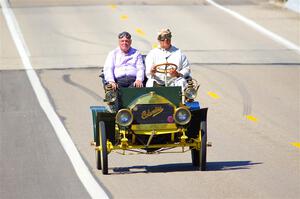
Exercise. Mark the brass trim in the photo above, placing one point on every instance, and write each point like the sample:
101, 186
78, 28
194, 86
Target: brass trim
190, 89
179, 144
113, 93
151, 98
156, 127
185, 108
130, 113
156, 132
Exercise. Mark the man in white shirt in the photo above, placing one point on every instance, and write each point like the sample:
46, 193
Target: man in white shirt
167, 57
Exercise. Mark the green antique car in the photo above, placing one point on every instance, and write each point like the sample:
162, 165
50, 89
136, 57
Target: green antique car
150, 120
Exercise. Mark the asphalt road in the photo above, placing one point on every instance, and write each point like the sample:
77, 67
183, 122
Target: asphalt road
249, 82
33, 163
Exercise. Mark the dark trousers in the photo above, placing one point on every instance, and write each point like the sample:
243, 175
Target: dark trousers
126, 81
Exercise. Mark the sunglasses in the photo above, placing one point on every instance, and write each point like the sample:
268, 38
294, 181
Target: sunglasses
124, 34
164, 37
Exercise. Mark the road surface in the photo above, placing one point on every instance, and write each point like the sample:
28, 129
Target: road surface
249, 82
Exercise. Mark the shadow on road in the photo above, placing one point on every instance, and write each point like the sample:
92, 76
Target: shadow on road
230, 165
165, 168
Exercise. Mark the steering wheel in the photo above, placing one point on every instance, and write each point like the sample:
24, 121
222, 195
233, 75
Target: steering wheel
166, 69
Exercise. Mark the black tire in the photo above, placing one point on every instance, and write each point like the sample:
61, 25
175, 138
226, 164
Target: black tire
98, 160
97, 152
199, 156
203, 127
195, 157
104, 162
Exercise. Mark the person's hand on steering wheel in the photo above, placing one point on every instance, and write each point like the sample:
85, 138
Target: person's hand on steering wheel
114, 85
175, 73
153, 70
164, 68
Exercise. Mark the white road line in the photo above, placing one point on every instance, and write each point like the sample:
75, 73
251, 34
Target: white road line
82, 171
258, 28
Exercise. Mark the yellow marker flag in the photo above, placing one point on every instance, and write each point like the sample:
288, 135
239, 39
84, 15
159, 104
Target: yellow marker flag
140, 32
251, 118
123, 17
213, 95
296, 144
155, 45
113, 6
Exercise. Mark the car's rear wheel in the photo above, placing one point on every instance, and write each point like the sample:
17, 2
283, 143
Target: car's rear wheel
203, 127
103, 144
97, 152
199, 156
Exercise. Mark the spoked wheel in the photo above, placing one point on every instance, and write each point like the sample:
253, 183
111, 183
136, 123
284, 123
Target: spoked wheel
199, 156
103, 145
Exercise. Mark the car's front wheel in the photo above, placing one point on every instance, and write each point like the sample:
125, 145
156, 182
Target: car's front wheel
199, 156
98, 160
